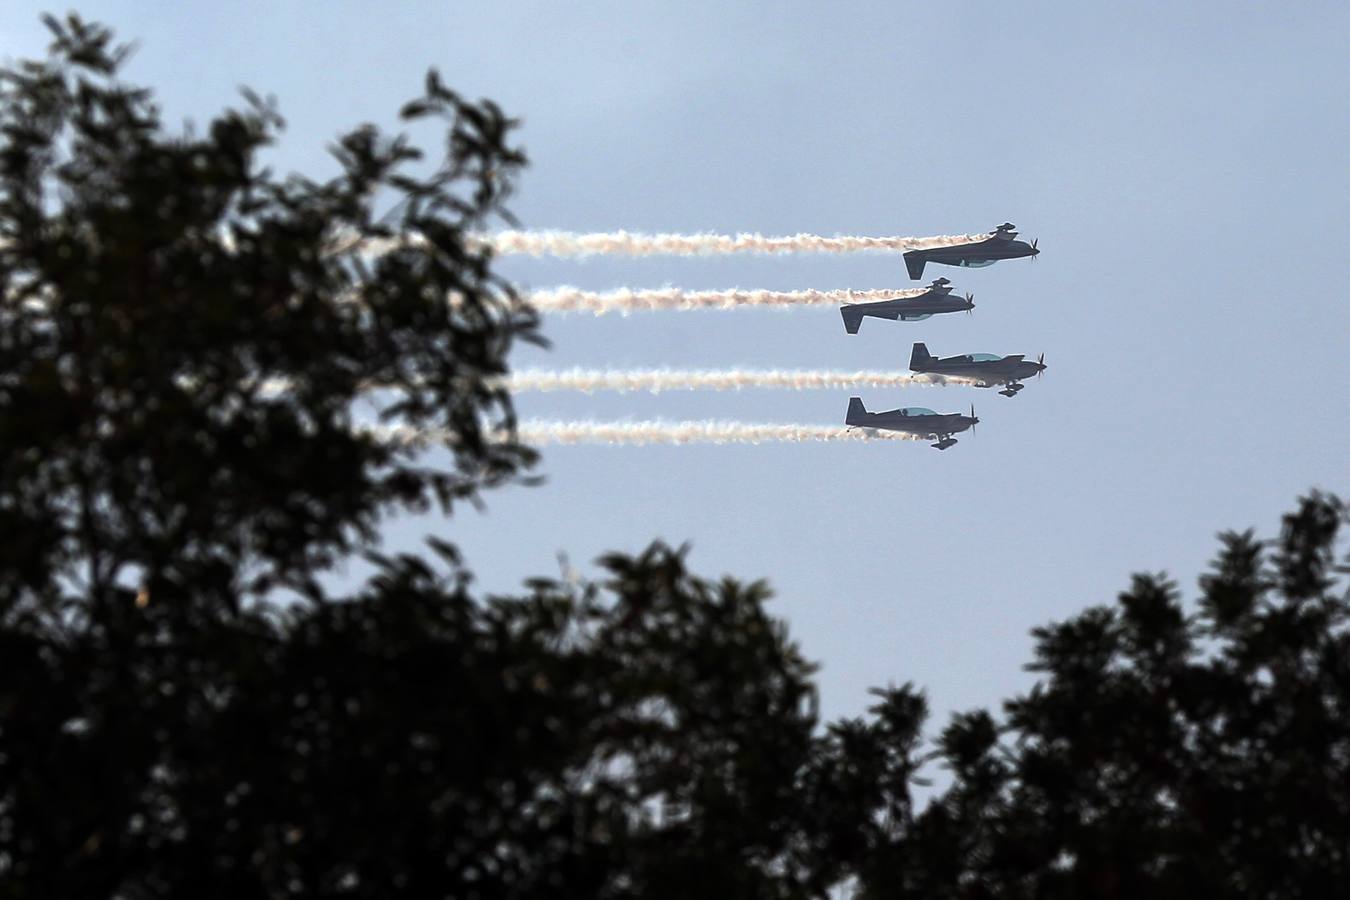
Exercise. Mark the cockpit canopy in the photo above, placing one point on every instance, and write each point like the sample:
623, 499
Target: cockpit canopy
917, 411
984, 357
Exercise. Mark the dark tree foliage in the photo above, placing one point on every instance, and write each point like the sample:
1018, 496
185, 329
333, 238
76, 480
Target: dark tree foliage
156, 289
1162, 754
187, 711
411, 741
185, 708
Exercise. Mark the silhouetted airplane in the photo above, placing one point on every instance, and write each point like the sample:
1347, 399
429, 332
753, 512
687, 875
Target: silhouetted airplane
937, 299
989, 368
915, 420
999, 245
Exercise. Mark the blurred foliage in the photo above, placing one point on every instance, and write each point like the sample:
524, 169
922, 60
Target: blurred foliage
1161, 753
410, 741
156, 288
171, 726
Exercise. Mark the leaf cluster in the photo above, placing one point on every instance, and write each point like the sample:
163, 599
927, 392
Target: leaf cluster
1162, 753
193, 349
635, 738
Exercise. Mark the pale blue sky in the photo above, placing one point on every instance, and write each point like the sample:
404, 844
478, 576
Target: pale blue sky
1183, 165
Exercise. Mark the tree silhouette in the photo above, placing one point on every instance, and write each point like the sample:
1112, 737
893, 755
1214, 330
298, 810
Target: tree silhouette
157, 290
188, 708
1162, 753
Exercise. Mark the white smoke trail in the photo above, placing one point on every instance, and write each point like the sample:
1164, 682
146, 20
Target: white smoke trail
566, 243
570, 299
656, 380
539, 433
640, 433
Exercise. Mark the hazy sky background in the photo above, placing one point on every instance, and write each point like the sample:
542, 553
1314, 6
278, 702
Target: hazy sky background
1184, 167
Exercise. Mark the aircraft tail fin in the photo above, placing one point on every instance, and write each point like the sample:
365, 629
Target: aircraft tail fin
919, 357
857, 413
914, 261
852, 318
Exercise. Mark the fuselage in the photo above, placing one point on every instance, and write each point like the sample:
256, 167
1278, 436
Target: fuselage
1000, 245
934, 301
979, 254
996, 371
938, 425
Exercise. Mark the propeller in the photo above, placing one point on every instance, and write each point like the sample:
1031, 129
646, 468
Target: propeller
970, 298
973, 420
1040, 361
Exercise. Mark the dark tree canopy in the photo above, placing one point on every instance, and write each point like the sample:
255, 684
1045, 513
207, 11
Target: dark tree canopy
1163, 753
186, 710
412, 741
157, 286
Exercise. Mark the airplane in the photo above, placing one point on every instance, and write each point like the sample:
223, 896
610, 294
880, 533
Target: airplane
999, 245
936, 299
912, 420
989, 368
